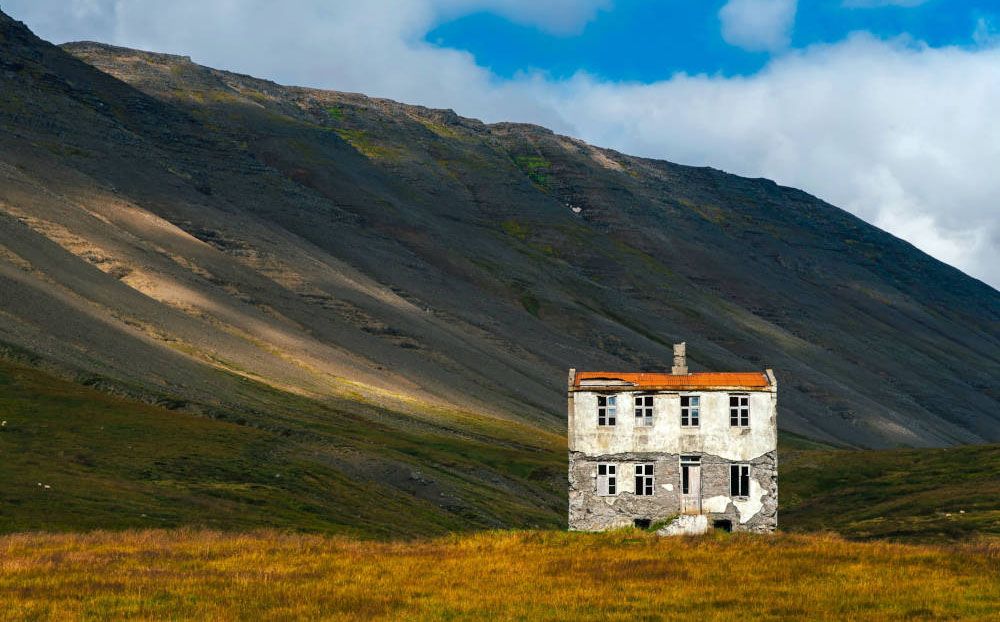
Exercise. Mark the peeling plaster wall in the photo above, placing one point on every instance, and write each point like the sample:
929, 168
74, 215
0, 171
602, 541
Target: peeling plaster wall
714, 435
662, 444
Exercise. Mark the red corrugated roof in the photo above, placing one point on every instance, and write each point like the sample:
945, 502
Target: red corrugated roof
699, 380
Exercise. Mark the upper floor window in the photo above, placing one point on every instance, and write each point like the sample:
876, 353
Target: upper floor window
644, 479
739, 480
607, 480
739, 411
644, 410
690, 410
607, 409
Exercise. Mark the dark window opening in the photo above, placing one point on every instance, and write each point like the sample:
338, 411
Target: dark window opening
724, 524
607, 479
644, 479
607, 409
739, 411
644, 410
690, 410
643, 523
739, 480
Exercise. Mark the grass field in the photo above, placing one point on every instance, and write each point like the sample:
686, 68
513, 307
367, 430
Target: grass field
626, 575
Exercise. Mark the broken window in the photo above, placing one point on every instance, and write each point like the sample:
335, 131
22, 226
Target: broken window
687, 462
607, 409
739, 411
607, 480
690, 410
644, 410
644, 479
739, 480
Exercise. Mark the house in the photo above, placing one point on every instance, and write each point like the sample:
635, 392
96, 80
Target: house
647, 447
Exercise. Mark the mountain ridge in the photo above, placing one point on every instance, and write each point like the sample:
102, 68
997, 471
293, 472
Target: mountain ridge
330, 244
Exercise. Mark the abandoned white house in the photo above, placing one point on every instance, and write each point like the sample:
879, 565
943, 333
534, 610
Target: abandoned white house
644, 447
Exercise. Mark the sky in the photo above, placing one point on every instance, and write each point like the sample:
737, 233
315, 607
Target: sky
886, 108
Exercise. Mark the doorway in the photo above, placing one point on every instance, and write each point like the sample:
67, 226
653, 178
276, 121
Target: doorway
690, 484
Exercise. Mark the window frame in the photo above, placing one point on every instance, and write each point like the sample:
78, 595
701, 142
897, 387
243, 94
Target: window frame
607, 482
739, 412
645, 479
739, 474
691, 413
607, 413
643, 411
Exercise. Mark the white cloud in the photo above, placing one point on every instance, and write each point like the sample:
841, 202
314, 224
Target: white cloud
899, 133
758, 25
871, 4
986, 33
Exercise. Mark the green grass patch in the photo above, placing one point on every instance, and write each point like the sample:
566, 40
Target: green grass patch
515, 229
536, 168
364, 144
531, 304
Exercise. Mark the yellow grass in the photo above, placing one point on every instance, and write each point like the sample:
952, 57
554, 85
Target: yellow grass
625, 575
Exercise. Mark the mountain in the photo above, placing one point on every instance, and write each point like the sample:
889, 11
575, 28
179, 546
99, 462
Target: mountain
332, 268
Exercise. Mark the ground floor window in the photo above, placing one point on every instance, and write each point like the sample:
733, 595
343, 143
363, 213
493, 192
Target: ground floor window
644, 479
607, 480
739, 480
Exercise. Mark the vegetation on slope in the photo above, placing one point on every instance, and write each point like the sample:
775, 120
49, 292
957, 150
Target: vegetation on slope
78, 459
75, 459
627, 575
925, 494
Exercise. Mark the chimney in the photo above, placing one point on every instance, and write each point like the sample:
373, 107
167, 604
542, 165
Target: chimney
680, 367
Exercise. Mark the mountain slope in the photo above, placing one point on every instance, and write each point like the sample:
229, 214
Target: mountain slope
211, 241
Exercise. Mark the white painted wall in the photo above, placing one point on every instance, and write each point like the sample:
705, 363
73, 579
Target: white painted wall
714, 436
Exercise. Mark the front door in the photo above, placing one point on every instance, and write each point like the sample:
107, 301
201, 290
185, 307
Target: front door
691, 484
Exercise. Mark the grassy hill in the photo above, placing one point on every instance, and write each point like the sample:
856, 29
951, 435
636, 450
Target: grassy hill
624, 576
77, 459
927, 494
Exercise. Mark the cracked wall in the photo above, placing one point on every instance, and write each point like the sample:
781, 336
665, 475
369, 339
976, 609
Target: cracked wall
718, 445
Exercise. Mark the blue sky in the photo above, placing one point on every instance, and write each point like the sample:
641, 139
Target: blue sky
639, 40
886, 108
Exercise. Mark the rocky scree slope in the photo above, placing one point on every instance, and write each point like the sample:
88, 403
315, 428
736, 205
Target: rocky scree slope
212, 240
